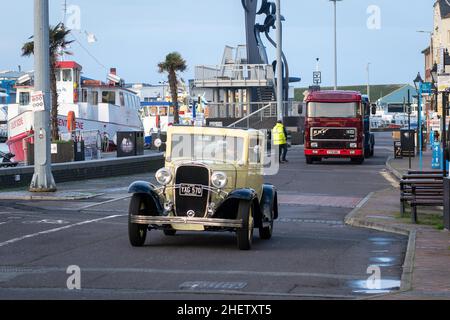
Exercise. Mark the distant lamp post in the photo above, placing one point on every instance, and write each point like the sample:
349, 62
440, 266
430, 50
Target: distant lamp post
418, 84
335, 45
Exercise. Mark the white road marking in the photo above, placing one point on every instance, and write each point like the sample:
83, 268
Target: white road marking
28, 236
102, 203
389, 178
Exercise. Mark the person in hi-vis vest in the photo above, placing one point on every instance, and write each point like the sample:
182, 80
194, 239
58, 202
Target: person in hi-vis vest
279, 137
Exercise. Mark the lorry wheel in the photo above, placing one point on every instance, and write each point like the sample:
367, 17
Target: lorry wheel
137, 233
309, 160
358, 160
372, 151
245, 234
170, 233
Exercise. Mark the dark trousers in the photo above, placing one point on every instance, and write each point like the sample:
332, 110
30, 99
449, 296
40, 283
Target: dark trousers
283, 152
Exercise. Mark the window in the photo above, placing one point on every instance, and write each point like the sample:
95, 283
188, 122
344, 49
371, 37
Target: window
122, 99
84, 95
58, 75
254, 152
333, 110
94, 98
24, 98
67, 75
109, 97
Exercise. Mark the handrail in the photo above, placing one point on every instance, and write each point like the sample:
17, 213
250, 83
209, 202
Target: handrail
249, 116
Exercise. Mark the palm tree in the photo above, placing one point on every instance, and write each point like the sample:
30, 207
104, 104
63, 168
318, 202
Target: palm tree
174, 63
58, 45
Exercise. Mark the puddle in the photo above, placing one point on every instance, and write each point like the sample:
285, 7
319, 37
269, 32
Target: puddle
384, 286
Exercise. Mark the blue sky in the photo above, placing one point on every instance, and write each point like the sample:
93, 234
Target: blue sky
134, 35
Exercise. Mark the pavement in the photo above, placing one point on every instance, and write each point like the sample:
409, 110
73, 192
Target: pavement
426, 271
313, 254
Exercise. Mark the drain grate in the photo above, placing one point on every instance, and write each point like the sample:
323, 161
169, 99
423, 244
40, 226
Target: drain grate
207, 285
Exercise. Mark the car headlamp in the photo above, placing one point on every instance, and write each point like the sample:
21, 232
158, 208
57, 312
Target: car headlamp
219, 180
163, 176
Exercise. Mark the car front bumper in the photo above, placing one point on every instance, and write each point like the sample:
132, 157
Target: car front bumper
206, 222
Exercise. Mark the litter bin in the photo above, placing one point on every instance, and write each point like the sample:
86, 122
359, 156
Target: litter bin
78, 151
408, 142
130, 144
398, 150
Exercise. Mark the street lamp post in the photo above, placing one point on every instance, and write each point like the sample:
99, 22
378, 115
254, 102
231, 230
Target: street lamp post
42, 179
368, 80
335, 45
418, 81
279, 62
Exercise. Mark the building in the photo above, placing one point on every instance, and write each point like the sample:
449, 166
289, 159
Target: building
8, 80
150, 93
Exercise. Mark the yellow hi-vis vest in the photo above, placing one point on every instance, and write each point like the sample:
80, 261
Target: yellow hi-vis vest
278, 135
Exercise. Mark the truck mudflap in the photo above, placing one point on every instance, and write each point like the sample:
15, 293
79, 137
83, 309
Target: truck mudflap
334, 152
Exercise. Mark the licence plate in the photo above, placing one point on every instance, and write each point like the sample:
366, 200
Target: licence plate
333, 152
190, 190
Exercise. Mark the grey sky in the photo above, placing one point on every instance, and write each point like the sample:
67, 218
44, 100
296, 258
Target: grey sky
135, 35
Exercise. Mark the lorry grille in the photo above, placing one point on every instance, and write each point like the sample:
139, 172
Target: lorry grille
191, 175
333, 134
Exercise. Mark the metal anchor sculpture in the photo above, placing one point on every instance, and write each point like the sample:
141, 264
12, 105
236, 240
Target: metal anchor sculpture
256, 51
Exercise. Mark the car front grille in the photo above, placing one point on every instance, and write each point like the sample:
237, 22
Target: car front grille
191, 175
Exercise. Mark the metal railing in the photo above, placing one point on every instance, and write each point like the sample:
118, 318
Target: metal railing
233, 74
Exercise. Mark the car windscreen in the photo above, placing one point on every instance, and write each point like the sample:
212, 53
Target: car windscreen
207, 147
333, 110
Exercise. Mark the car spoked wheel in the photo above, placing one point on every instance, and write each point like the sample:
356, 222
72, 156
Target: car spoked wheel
245, 234
170, 233
265, 233
137, 233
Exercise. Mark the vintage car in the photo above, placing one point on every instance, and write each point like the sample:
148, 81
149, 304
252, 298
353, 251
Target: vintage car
212, 181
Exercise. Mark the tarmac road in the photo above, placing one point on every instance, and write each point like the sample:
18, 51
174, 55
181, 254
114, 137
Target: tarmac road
312, 254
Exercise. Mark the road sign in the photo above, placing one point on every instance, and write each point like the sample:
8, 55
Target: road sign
427, 88
37, 101
437, 156
317, 77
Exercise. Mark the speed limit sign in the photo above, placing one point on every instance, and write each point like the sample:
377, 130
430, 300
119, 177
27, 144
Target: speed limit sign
37, 101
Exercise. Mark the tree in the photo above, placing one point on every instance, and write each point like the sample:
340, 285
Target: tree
58, 44
174, 63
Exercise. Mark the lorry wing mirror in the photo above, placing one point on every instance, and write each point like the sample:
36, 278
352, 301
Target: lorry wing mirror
373, 109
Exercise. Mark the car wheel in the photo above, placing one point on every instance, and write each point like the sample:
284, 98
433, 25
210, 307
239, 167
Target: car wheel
170, 233
245, 234
309, 160
137, 233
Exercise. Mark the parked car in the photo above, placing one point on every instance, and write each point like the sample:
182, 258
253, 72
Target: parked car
212, 181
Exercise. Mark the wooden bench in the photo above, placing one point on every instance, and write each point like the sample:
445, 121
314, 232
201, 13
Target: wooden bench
421, 188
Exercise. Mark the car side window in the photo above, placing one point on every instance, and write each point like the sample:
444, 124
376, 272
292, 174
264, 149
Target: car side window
254, 151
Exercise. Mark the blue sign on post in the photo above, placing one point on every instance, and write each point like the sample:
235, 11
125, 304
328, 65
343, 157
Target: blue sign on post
427, 88
437, 156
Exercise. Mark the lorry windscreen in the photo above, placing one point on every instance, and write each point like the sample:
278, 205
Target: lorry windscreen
333, 110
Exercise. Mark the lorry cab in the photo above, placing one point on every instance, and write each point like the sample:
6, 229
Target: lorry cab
337, 125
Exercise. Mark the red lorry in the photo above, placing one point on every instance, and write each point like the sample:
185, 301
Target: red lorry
337, 125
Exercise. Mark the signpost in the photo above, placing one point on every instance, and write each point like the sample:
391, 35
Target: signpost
37, 101
317, 77
437, 156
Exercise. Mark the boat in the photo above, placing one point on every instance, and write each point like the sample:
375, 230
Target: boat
102, 107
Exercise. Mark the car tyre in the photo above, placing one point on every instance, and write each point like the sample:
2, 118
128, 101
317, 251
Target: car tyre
358, 160
245, 234
170, 233
309, 160
137, 233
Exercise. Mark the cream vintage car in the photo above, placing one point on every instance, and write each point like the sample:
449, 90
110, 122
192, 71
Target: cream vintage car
212, 181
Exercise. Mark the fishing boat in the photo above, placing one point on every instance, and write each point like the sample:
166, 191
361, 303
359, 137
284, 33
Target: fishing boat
103, 107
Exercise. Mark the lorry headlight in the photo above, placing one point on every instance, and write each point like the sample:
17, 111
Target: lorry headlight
353, 145
163, 176
314, 145
219, 180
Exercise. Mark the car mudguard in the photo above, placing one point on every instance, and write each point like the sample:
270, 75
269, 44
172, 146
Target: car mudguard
142, 187
269, 200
